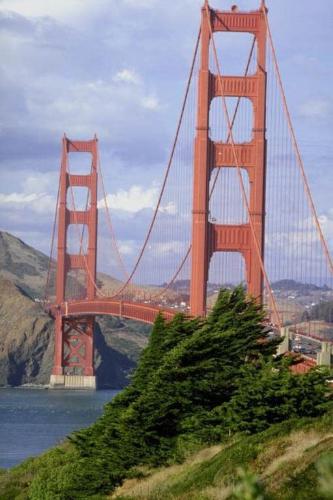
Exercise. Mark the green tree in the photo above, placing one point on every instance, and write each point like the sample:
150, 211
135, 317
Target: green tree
268, 393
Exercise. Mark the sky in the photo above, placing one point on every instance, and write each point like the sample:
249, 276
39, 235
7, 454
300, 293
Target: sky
118, 68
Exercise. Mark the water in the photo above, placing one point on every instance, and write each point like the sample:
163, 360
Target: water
33, 420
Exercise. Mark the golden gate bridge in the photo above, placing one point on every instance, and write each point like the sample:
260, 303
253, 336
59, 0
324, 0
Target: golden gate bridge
234, 207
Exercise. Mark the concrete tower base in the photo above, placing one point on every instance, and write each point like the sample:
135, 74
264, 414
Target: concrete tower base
72, 382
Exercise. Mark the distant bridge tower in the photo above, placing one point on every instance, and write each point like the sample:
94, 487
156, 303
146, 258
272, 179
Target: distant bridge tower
74, 336
208, 238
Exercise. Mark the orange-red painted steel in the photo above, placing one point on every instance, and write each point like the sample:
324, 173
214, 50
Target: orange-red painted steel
208, 238
74, 346
123, 309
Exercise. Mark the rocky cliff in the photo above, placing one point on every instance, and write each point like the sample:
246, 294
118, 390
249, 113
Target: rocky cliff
26, 332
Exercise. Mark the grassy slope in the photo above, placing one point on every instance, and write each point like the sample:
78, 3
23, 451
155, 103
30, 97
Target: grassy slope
284, 457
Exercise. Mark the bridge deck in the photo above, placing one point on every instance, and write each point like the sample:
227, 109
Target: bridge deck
145, 313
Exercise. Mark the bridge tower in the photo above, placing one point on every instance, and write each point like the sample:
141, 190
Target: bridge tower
74, 336
207, 237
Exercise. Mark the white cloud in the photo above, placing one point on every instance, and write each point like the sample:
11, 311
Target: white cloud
315, 108
170, 248
37, 194
41, 183
64, 10
170, 208
39, 203
150, 102
127, 76
132, 201
18, 198
127, 247
55, 104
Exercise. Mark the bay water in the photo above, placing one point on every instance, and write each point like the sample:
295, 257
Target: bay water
33, 420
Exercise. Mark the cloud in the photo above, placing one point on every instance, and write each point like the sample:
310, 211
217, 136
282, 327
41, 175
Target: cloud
127, 247
61, 9
150, 102
17, 198
132, 201
170, 208
40, 203
315, 108
170, 248
127, 76
37, 196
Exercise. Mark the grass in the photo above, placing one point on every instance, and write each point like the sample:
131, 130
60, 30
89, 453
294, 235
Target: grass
15, 482
284, 457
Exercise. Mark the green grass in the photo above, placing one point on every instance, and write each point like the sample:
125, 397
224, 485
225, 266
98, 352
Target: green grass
284, 458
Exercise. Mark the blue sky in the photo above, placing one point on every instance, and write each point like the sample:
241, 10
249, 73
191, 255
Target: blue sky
118, 68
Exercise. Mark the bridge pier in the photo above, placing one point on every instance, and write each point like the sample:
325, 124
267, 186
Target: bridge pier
285, 345
74, 353
324, 357
72, 382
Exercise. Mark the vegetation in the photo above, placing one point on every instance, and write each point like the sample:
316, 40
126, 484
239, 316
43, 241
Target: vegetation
288, 461
198, 383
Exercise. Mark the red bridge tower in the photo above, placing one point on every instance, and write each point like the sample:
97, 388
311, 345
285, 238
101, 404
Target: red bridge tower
208, 238
74, 336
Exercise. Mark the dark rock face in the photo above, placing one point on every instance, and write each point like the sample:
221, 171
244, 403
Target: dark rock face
27, 332
26, 339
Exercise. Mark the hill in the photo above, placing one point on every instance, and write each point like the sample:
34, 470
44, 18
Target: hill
293, 286
26, 340
26, 332
23, 265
